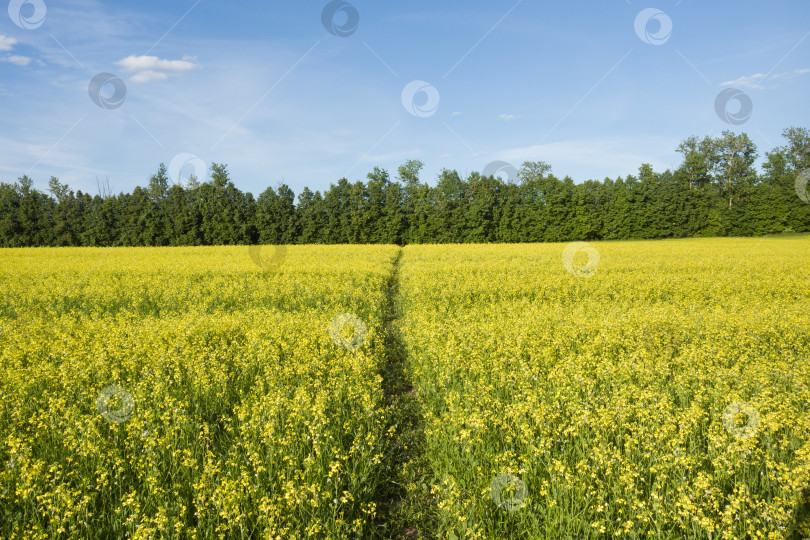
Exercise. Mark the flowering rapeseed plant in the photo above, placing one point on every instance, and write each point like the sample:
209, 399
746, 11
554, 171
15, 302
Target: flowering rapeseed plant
663, 394
189, 393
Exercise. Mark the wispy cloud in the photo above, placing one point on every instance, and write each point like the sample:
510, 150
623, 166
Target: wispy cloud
790, 74
7, 43
152, 68
750, 81
757, 80
328, 114
17, 60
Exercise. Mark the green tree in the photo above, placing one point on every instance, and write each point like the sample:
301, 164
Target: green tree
276, 218
394, 216
63, 218
482, 208
698, 161
226, 212
446, 223
782, 207
101, 225
415, 202
35, 228
10, 229
375, 210
312, 218
337, 202
182, 216
734, 165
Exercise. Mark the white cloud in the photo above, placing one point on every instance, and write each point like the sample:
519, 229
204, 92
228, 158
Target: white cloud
7, 43
507, 117
143, 63
149, 75
152, 68
444, 156
17, 60
751, 81
456, 113
790, 74
754, 81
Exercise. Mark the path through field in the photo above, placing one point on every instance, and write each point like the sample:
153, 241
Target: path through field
622, 389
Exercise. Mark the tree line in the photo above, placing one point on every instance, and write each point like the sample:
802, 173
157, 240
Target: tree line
716, 191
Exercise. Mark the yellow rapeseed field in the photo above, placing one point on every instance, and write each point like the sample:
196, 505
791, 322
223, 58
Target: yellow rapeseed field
653, 389
190, 392
618, 389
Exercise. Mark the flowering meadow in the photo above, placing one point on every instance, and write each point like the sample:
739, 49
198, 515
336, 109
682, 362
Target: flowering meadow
190, 392
619, 389
644, 389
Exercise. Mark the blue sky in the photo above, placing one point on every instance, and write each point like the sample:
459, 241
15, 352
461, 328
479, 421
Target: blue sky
266, 88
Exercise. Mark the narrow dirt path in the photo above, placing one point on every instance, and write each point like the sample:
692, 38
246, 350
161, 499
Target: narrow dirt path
403, 502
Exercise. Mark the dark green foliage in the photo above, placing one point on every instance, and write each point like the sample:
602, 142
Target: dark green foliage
715, 192
312, 217
276, 219
228, 215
